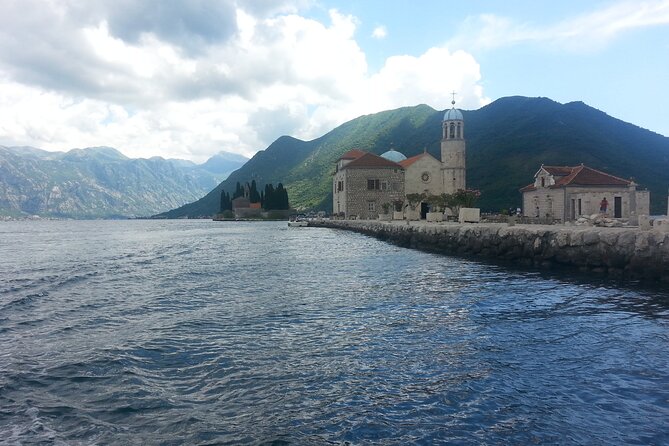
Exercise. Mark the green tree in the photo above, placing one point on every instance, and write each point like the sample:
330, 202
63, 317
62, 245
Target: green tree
239, 191
254, 196
461, 198
226, 203
414, 200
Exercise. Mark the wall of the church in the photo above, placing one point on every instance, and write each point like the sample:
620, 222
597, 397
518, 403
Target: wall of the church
424, 176
453, 162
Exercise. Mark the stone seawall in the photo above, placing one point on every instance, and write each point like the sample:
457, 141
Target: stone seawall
619, 252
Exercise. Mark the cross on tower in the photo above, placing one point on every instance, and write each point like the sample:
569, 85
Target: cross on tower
453, 101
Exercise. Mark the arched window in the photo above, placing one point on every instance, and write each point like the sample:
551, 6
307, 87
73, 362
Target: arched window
452, 131
459, 132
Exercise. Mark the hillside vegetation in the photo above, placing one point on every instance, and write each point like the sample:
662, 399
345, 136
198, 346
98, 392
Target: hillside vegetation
507, 141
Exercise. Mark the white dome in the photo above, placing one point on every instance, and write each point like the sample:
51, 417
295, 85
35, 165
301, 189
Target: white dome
394, 156
453, 115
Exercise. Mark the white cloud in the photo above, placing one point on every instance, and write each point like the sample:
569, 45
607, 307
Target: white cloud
237, 91
586, 32
380, 32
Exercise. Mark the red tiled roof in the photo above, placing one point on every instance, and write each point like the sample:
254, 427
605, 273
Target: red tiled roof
558, 171
587, 176
579, 176
352, 154
409, 161
369, 160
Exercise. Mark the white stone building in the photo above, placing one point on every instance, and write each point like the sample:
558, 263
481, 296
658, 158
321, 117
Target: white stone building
565, 193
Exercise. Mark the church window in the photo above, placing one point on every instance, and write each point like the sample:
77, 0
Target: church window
452, 131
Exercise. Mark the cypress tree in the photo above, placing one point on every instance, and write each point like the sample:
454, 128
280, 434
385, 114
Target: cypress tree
254, 197
226, 203
239, 191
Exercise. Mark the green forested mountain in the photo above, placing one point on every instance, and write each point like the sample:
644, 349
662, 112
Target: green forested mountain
507, 141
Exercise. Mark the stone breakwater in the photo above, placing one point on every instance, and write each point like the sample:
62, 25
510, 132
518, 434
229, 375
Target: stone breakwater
619, 252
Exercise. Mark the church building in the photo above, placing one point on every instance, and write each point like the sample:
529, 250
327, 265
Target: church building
363, 182
565, 193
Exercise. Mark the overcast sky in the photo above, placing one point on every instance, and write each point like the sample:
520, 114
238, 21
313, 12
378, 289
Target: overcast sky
186, 79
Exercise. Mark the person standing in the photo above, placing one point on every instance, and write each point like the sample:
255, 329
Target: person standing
603, 206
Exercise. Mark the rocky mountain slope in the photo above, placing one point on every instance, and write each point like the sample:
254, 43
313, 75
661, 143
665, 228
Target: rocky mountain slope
101, 182
507, 141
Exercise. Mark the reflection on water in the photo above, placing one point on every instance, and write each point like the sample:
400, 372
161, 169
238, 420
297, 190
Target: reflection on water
206, 332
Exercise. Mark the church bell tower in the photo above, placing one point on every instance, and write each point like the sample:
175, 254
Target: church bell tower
453, 150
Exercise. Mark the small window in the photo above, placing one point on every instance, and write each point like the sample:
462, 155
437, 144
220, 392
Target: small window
371, 206
373, 184
384, 185
543, 182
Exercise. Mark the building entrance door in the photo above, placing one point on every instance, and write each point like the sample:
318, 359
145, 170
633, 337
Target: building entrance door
573, 209
423, 210
618, 207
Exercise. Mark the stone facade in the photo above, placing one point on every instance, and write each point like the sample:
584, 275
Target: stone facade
453, 152
618, 252
566, 193
354, 197
423, 175
361, 187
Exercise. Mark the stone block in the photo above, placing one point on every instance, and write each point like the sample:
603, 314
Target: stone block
398, 215
435, 216
644, 223
469, 215
661, 225
412, 215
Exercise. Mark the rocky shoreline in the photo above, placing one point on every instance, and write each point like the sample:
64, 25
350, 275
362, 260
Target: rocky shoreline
629, 253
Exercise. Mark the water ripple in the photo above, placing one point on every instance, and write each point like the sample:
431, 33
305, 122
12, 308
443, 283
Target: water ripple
192, 332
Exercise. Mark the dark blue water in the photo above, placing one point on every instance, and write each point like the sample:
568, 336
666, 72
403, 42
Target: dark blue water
198, 332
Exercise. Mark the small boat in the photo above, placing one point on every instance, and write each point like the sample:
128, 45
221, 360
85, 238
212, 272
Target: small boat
296, 221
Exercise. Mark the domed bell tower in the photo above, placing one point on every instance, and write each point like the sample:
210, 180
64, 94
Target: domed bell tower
453, 150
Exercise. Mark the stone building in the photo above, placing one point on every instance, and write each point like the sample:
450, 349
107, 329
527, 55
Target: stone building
565, 193
453, 151
364, 181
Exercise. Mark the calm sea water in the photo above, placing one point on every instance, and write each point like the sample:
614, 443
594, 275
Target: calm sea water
199, 332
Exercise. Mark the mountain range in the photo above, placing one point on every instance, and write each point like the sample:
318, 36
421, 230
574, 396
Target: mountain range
101, 182
507, 142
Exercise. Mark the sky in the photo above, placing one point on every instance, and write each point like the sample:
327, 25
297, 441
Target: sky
187, 79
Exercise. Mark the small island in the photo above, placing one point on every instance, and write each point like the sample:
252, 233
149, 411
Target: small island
247, 203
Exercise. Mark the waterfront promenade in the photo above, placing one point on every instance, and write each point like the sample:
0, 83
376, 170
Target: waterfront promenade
627, 252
